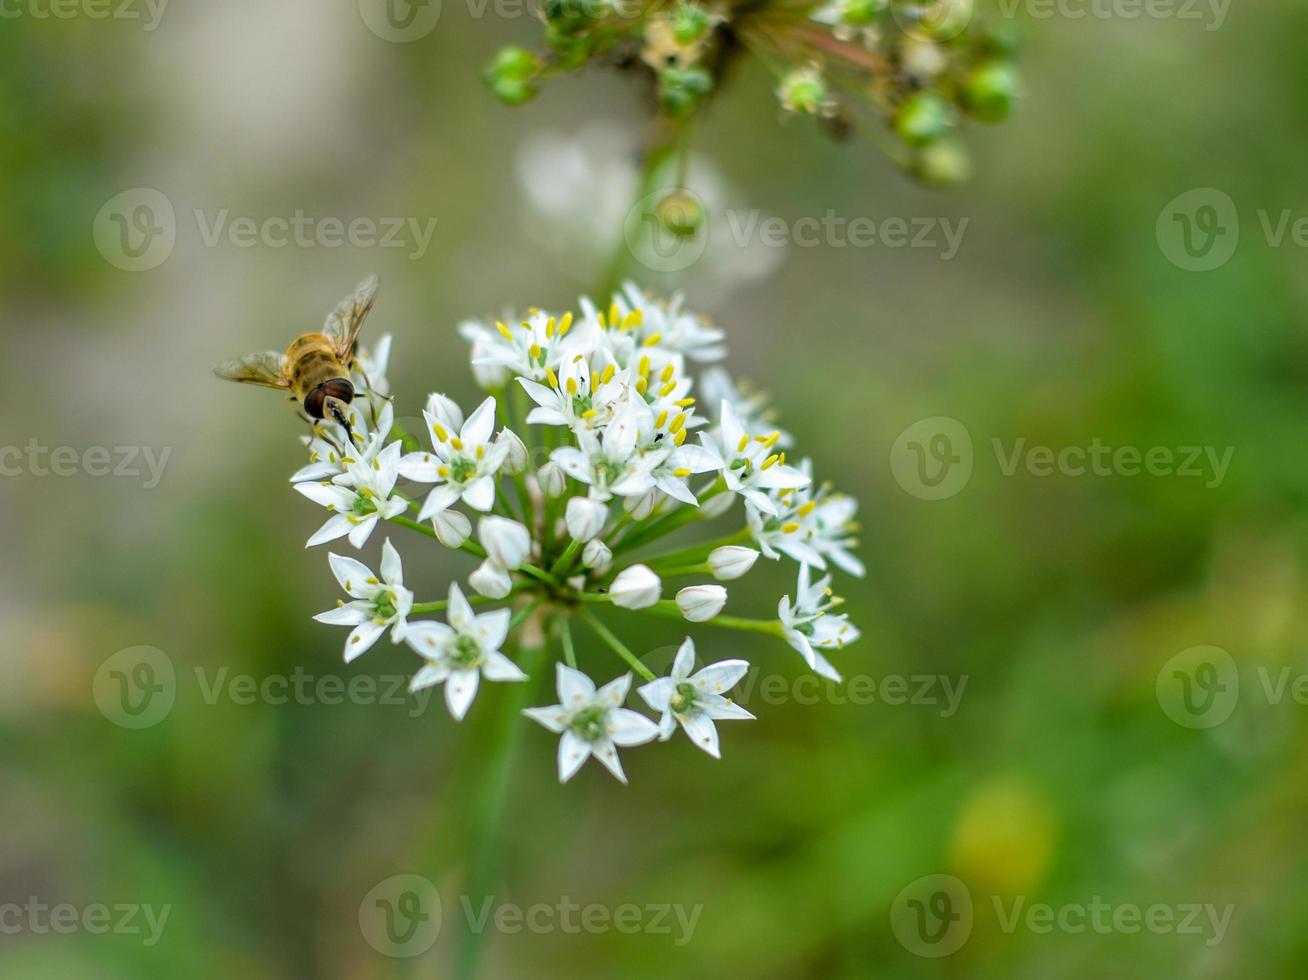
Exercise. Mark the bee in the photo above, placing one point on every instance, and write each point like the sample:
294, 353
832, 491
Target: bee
315, 370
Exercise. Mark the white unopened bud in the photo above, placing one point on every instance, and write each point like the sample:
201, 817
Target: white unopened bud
553, 481
491, 580
731, 562
700, 603
506, 542
635, 588
640, 507
596, 554
452, 528
585, 517
516, 460
488, 374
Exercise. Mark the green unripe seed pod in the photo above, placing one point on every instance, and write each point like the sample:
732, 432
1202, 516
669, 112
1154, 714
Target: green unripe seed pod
944, 163
803, 91
689, 23
509, 75
680, 213
990, 91
861, 13
923, 119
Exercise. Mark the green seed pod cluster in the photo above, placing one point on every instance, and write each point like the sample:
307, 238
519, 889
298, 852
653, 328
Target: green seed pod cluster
923, 68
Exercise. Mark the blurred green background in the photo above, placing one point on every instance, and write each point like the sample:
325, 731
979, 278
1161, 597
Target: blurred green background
1057, 601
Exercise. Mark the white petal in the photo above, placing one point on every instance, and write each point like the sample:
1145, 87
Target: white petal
627, 727
685, 662
575, 688
573, 752
361, 638
353, 575
327, 496
703, 733
492, 628
337, 526
439, 499
720, 676
500, 668
427, 637
613, 693
428, 676
480, 424
607, 753
360, 533
658, 694
727, 711
350, 614
459, 614
460, 689
480, 494
392, 570
555, 718
420, 467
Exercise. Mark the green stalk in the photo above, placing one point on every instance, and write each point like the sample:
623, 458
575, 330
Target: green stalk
605, 634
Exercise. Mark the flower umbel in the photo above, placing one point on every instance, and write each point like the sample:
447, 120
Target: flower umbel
599, 481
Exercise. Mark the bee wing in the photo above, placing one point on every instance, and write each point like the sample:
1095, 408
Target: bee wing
256, 369
344, 322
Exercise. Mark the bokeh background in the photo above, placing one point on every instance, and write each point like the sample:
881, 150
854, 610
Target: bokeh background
1062, 777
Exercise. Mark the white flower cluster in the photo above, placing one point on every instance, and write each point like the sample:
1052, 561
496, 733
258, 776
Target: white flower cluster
592, 446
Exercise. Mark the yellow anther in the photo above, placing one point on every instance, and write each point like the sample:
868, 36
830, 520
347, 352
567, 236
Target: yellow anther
807, 509
572, 387
534, 351
790, 528
667, 373
663, 417
565, 324
550, 324
507, 334
642, 367
604, 324
681, 472
481, 452
684, 403
607, 376
667, 389
679, 422
456, 442
653, 339
372, 580
680, 437
744, 441
770, 461
633, 319
439, 429
590, 413
615, 314
551, 377
641, 385
443, 471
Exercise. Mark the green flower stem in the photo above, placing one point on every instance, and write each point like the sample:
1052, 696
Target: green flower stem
488, 826
671, 522
524, 612
540, 575
605, 634
565, 637
669, 609
565, 559
441, 604
701, 569
698, 552
470, 546
664, 144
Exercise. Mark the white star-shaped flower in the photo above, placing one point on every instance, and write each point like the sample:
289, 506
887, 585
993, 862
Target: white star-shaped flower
465, 459
808, 626
461, 653
695, 701
360, 497
747, 462
592, 722
330, 452
376, 603
608, 463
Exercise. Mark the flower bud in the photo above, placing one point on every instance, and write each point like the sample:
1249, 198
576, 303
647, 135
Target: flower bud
506, 542
944, 164
923, 119
990, 91
596, 554
585, 518
803, 91
635, 588
516, 461
689, 22
640, 507
731, 562
553, 481
681, 88
491, 580
510, 75
700, 603
452, 528
681, 213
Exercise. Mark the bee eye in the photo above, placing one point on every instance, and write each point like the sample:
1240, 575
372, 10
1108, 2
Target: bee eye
340, 389
313, 403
